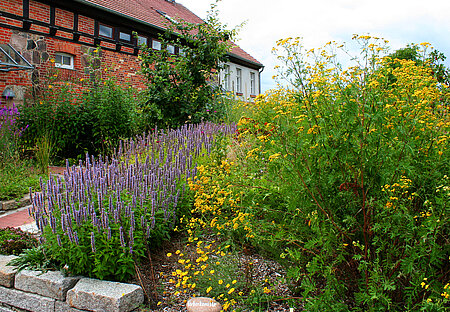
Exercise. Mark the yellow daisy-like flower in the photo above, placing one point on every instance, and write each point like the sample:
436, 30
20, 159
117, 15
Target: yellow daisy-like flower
274, 156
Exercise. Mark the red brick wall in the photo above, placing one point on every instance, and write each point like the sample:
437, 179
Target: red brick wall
39, 11
63, 18
40, 49
11, 6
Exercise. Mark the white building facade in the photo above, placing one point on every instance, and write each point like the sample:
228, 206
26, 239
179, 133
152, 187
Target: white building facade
241, 80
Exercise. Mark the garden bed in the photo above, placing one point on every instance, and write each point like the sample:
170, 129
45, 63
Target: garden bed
164, 296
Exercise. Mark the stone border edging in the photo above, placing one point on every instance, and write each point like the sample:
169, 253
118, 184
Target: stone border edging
14, 204
52, 292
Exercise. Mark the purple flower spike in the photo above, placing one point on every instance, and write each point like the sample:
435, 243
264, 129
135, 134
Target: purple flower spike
93, 242
122, 239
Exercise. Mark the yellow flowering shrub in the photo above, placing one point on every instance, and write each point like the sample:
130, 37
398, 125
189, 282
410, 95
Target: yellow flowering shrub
348, 166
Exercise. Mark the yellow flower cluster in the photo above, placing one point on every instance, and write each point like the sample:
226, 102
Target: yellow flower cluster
215, 211
398, 192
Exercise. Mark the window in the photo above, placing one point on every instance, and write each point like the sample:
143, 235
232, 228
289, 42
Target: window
252, 83
142, 40
226, 78
156, 44
64, 60
238, 80
181, 52
171, 49
105, 31
125, 36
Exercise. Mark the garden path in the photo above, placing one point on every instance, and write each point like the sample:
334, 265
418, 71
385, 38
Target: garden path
19, 218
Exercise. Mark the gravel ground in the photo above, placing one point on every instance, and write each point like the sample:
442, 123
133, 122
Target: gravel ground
155, 279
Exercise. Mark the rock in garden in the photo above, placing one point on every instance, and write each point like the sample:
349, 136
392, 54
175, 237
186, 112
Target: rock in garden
203, 304
9, 205
7, 272
95, 295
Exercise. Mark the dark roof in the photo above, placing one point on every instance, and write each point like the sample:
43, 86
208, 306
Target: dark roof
146, 11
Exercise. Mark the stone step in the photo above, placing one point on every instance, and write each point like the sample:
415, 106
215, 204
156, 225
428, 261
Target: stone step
52, 284
95, 295
26, 301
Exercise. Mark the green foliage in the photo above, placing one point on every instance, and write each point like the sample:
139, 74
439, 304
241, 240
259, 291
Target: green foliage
16, 178
349, 178
180, 86
43, 153
13, 241
80, 116
113, 110
35, 258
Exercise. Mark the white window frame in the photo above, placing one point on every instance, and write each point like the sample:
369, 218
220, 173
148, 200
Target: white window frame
123, 34
252, 83
140, 40
226, 77
61, 64
238, 80
105, 27
156, 45
171, 49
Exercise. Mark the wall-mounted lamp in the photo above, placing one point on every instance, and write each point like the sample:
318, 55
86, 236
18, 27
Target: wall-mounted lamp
8, 93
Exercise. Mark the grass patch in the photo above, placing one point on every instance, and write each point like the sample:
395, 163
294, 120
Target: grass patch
16, 179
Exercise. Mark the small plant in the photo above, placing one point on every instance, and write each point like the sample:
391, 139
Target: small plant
43, 153
9, 134
13, 241
35, 258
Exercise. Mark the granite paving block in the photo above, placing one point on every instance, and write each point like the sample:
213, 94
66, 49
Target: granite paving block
62, 306
7, 272
26, 301
50, 284
95, 295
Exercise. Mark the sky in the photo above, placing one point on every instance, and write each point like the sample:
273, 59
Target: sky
319, 21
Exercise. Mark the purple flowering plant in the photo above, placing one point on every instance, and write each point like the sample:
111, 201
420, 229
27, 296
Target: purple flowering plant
107, 213
9, 133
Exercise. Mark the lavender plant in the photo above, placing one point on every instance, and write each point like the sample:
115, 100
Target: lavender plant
9, 133
102, 218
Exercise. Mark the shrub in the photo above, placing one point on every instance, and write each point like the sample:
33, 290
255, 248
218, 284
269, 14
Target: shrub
356, 173
80, 116
13, 241
59, 114
180, 86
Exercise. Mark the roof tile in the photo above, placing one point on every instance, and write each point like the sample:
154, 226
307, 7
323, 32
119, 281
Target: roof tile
146, 11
